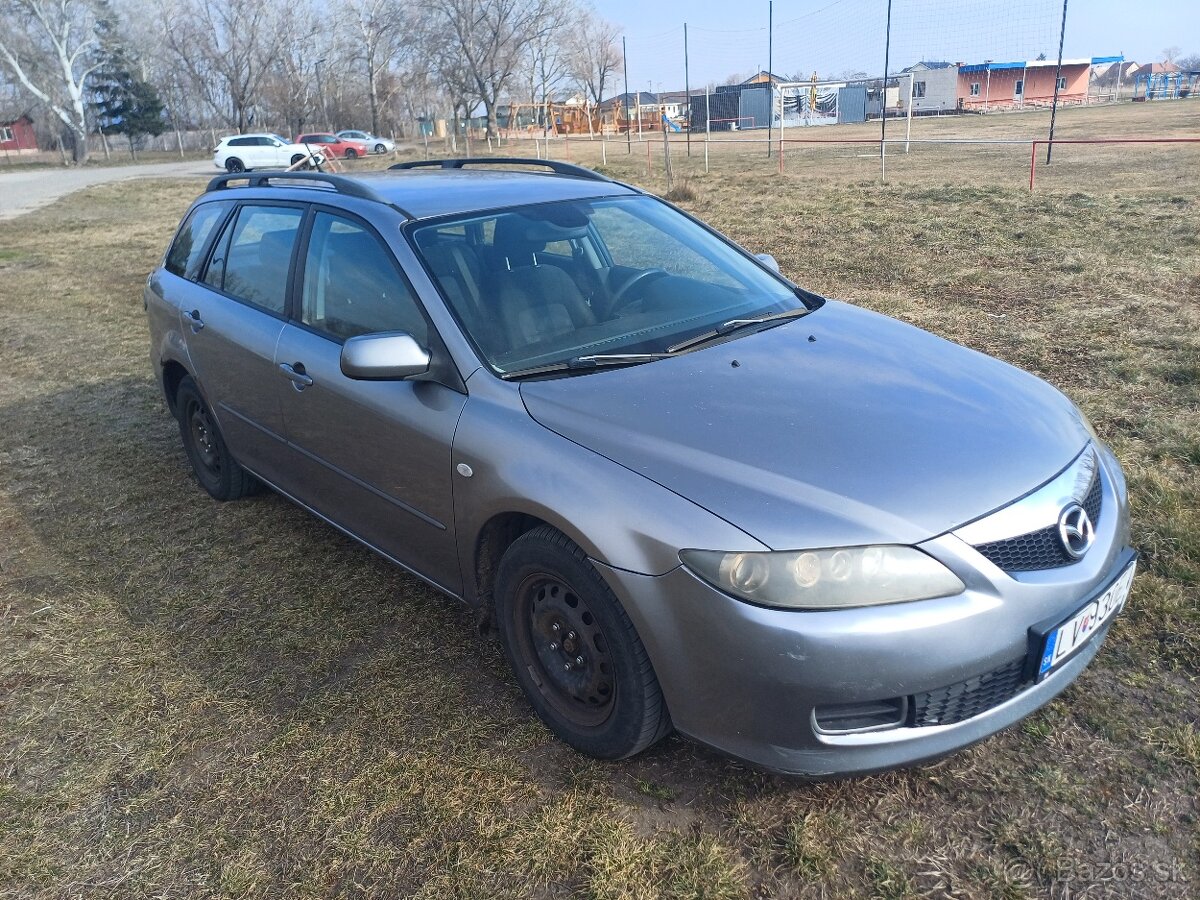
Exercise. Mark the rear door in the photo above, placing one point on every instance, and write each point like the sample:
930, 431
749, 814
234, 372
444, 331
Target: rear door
234, 322
373, 456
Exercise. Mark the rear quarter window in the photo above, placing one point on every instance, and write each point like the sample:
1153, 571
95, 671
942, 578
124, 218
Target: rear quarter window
187, 252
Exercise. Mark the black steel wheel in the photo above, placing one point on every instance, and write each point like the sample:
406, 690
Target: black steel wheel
233, 165
351, 153
216, 470
574, 650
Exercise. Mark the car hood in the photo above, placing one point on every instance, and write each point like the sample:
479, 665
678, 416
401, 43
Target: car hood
844, 427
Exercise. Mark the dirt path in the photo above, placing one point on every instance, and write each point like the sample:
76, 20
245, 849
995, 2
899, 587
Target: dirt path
21, 192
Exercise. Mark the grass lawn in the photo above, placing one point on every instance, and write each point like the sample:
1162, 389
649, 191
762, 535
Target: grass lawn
233, 700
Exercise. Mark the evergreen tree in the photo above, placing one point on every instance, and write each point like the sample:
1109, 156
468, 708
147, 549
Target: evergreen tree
123, 101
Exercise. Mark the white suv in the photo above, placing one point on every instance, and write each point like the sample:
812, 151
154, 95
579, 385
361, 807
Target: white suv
242, 152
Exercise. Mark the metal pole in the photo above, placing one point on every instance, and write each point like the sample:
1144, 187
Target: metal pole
887, 49
625, 62
1057, 77
687, 90
770, 77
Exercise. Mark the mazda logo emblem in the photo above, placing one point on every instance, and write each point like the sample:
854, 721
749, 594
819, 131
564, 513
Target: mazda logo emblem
1075, 530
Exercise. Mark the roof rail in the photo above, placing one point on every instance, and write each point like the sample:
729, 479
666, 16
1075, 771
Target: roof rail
559, 168
339, 183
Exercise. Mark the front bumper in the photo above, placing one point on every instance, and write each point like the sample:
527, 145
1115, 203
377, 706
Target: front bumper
748, 680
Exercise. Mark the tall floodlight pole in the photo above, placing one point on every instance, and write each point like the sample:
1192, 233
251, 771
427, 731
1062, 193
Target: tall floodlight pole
770, 77
887, 49
625, 63
687, 90
1057, 80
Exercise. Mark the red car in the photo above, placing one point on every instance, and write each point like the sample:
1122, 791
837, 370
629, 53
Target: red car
333, 145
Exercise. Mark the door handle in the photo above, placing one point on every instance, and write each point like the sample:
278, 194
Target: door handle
296, 375
195, 321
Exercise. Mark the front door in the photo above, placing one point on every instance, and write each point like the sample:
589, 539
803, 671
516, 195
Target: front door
232, 320
373, 456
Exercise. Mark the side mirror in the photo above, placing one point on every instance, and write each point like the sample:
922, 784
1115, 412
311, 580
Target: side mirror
767, 260
383, 357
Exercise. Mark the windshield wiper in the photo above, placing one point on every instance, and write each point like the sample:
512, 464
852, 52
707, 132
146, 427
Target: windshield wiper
593, 361
735, 325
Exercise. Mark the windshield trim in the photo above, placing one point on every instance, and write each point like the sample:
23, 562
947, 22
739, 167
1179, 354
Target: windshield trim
806, 297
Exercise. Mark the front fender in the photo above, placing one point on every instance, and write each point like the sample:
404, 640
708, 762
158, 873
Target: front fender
615, 515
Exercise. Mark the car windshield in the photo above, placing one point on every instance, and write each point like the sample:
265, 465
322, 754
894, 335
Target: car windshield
540, 285
280, 138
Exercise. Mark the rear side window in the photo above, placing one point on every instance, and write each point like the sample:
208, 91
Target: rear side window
242, 142
253, 256
352, 286
186, 254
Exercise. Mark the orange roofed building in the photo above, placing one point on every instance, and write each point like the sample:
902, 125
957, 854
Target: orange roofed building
1013, 85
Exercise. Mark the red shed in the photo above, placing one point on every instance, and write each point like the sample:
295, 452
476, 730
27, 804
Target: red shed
16, 134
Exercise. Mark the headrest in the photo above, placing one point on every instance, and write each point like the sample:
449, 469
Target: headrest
276, 246
521, 233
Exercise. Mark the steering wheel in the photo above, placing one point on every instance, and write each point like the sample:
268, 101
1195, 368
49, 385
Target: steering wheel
621, 297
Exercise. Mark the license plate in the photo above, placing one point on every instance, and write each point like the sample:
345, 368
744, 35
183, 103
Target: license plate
1063, 641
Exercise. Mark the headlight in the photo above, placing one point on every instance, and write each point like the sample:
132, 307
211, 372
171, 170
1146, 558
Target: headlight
826, 579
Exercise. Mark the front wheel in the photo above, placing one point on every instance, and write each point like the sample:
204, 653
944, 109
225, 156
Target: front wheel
574, 651
351, 154
379, 148
217, 471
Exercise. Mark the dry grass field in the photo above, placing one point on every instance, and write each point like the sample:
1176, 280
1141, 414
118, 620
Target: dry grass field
235, 701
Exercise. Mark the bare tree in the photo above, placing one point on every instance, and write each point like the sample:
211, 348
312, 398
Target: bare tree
1169, 54
378, 29
595, 53
52, 47
549, 64
227, 49
492, 37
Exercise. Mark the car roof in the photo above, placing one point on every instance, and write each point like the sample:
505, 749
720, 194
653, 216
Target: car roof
428, 194
431, 193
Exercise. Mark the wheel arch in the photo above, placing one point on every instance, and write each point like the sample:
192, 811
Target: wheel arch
491, 542
173, 372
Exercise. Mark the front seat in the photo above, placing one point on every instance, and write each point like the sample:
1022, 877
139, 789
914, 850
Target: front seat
537, 302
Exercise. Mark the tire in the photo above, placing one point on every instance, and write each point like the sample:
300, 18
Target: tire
233, 165
351, 154
379, 148
296, 157
212, 464
574, 651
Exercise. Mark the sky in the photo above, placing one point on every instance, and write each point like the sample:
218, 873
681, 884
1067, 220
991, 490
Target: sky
834, 37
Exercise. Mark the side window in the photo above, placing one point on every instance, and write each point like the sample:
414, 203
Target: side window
252, 257
352, 285
184, 257
240, 142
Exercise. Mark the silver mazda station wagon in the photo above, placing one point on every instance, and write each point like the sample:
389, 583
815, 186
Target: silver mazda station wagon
690, 494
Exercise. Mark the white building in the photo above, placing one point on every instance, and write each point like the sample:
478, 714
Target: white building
934, 88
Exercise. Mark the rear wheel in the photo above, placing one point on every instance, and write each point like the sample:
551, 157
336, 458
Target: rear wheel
574, 651
233, 165
217, 471
351, 154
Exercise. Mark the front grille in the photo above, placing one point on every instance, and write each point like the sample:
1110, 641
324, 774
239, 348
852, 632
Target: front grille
957, 702
1041, 549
